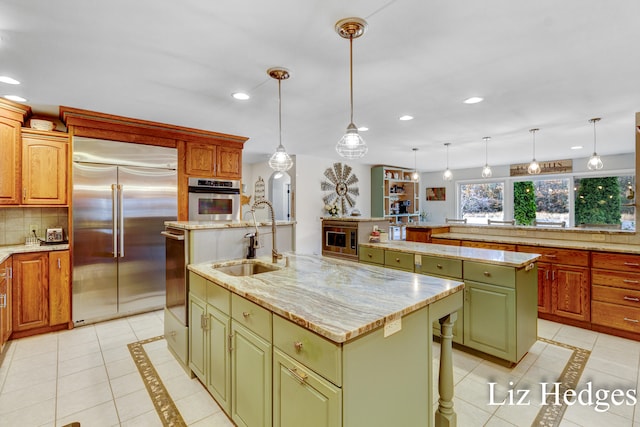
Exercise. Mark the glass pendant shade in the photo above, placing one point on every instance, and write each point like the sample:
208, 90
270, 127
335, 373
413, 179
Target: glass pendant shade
351, 145
595, 163
447, 175
486, 170
280, 160
534, 167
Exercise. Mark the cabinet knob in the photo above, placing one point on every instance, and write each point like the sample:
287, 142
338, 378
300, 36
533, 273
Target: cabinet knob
370, 255
397, 259
298, 346
487, 274
439, 266
246, 314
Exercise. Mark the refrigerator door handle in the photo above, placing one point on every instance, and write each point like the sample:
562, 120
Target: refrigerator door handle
121, 215
114, 218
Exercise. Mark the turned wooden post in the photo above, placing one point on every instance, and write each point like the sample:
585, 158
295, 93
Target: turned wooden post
445, 415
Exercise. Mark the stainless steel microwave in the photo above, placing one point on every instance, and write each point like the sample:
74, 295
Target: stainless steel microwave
214, 200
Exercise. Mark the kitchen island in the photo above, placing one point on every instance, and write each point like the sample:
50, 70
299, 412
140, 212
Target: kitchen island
345, 344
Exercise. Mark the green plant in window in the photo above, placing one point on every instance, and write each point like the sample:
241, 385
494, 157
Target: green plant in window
524, 202
598, 201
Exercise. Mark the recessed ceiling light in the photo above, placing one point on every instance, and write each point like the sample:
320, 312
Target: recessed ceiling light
363, 129
473, 100
406, 117
577, 147
241, 96
15, 98
9, 80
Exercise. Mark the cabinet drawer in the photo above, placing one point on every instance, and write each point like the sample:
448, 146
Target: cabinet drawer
558, 256
371, 255
443, 241
399, 260
219, 297
489, 273
616, 295
488, 245
615, 316
253, 317
177, 336
441, 266
313, 351
615, 261
618, 279
198, 286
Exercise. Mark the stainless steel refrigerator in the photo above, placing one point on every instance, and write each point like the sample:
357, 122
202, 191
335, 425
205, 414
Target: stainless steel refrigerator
122, 195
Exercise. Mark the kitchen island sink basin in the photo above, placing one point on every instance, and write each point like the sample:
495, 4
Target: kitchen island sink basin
245, 267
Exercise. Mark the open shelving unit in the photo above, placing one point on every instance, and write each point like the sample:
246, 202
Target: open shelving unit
394, 195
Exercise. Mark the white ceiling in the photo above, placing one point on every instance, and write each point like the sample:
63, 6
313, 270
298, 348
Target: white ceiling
546, 63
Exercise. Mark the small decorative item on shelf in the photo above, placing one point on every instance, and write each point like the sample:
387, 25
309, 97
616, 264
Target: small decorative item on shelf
331, 210
374, 237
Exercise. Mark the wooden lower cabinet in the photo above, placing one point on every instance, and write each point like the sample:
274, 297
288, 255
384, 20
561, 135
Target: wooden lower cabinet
422, 234
488, 245
302, 397
30, 291
442, 241
544, 287
59, 288
5, 302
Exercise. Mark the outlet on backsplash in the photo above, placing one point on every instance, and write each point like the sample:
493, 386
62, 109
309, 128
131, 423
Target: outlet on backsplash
33, 228
598, 237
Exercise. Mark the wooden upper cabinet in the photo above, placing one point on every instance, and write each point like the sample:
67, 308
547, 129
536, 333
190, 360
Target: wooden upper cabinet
229, 162
9, 162
201, 160
44, 167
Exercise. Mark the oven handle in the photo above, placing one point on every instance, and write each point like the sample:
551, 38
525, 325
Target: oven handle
170, 235
198, 190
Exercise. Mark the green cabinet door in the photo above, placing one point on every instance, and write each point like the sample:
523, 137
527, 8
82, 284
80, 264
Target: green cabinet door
250, 378
301, 397
197, 346
218, 367
489, 319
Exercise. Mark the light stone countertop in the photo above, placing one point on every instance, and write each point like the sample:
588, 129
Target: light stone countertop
489, 256
208, 225
353, 219
7, 251
337, 299
553, 243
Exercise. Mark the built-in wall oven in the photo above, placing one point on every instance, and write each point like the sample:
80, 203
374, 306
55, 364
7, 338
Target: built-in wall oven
340, 240
214, 200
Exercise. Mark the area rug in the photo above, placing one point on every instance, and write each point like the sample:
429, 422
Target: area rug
166, 409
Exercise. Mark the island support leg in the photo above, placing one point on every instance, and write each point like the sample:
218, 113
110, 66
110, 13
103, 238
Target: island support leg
445, 415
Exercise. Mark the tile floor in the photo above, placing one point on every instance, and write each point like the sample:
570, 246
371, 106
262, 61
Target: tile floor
88, 375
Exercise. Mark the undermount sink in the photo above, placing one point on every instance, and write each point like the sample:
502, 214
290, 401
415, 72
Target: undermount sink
245, 268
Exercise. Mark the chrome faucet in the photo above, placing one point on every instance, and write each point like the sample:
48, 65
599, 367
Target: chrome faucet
275, 256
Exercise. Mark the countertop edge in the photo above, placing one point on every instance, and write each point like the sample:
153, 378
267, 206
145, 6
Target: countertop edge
7, 251
209, 225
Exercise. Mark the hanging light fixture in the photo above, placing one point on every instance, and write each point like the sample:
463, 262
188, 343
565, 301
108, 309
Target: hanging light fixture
595, 163
447, 175
534, 167
415, 176
486, 170
351, 145
280, 160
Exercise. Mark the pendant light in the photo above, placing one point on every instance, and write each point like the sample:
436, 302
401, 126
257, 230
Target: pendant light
595, 163
447, 175
486, 170
280, 160
415, 176
351, 145
534, 167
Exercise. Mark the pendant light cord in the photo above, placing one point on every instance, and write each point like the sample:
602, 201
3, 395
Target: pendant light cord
280, 112
351, 73
594, 135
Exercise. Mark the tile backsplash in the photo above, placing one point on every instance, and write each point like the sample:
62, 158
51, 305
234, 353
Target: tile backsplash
16, 221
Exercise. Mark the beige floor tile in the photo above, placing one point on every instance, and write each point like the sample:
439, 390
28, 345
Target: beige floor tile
169, 369
219, 419
25, 397
82, 379
498, 422
134, 404
588, 417
126, 384
77, 349
121, 367
36, 375
182, 386
31, 346
41, 413
196, 407
115, 354
470, 415
547, 329
102, 415
78, 364
25, 364
147, 419
83, 399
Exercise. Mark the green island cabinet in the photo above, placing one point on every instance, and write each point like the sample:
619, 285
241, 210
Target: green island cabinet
285, 375
499, 315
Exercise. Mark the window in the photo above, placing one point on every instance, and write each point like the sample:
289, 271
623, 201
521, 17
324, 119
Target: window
607, 201
542, 200
479, 202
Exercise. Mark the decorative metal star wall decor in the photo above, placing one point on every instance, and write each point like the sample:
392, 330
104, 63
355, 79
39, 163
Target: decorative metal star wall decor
341, 185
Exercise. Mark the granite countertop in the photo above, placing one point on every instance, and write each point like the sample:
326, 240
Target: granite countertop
337, 299
7, 251
207, 225
352, 218
426, 225
553, 243
489, 256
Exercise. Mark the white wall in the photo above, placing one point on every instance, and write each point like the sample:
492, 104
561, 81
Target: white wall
306, 176
438, 211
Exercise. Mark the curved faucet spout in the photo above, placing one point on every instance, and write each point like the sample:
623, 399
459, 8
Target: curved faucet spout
275, 255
